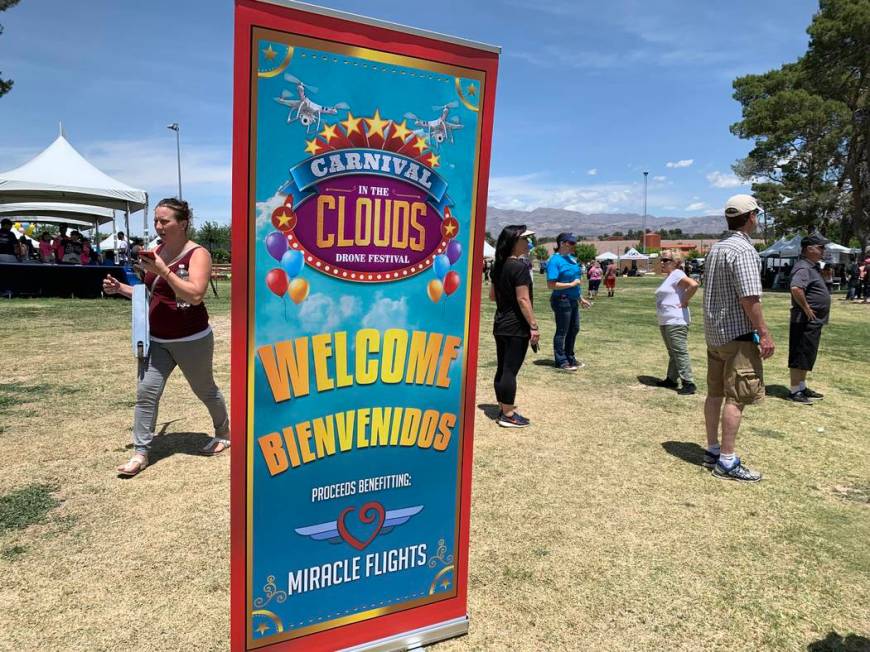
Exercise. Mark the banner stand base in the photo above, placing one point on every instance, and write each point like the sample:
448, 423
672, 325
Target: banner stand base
416, 638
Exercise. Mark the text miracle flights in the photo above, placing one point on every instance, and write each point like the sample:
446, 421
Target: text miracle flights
344, 571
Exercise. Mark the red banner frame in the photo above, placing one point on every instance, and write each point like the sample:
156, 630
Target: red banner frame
356, 31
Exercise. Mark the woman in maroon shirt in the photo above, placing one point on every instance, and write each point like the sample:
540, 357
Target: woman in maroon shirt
177, 275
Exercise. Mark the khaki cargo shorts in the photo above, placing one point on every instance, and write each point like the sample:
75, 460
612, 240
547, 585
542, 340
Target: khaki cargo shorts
734, 371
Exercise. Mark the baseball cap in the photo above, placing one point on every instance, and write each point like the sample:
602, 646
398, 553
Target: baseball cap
814, 239
566, 237
740, 204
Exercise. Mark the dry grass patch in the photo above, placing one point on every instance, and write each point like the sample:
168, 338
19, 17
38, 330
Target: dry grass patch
596, 529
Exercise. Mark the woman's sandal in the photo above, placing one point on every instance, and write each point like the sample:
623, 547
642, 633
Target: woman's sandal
215, 446
134, 465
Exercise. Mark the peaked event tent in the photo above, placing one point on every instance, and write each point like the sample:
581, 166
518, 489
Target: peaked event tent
60, 174
633, 254
56, 213
607, 256
488, 250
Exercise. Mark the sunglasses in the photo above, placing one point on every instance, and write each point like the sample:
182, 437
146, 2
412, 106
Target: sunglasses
667, 260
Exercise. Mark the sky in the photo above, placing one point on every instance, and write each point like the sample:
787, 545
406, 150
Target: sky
590, 93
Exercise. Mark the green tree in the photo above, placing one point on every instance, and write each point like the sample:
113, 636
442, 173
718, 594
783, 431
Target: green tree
541, 252
6, 84
585, 252
810, 164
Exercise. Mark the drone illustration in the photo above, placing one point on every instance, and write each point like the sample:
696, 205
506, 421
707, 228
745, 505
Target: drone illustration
439, 129
303, 108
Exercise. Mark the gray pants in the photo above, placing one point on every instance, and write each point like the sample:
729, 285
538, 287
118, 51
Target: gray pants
677, 342
195, 360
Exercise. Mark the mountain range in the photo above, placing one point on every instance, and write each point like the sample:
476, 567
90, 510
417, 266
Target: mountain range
552, 221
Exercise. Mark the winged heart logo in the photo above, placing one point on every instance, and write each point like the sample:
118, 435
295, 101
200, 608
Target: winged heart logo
371, 513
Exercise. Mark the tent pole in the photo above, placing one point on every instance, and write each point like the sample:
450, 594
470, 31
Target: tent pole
127, 229
115, 238
145, 220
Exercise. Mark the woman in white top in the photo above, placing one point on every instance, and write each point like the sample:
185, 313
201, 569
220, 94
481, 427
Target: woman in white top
672, 309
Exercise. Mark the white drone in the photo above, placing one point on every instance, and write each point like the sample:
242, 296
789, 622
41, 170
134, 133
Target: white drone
439, 129
303, 108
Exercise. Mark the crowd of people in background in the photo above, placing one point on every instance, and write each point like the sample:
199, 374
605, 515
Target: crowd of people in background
62, 249
737, 336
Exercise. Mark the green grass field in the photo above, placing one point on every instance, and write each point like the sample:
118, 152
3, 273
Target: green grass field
595, 529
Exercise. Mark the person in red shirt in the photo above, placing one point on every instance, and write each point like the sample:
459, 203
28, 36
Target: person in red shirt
177, 274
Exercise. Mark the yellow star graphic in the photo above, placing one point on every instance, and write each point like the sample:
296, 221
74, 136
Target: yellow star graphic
376, 125
401, 131
445, 585
270, 53
420, 144
351, 125
311, 146
262, 629
283, 219
450, 229
472, 90
434, 160
328, 133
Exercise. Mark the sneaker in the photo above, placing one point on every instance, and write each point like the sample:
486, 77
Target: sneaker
799, 397
737, 472
668, 383
710, 459
577, 364
687, 388
811, 394
567, 366
516, 420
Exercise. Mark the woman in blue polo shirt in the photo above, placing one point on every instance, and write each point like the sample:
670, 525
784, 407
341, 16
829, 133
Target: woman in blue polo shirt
563, 278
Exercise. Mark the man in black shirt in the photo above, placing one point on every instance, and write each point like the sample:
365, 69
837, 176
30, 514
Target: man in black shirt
8, 243
810, 306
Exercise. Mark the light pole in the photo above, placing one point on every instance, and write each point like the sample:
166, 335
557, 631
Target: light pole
174, 127
643, 228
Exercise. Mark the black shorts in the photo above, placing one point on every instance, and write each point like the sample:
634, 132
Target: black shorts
803, 344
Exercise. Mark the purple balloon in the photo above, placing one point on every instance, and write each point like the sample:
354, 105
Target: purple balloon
454, 251
276, 244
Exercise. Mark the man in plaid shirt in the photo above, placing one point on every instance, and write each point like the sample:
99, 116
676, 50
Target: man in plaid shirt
737, 337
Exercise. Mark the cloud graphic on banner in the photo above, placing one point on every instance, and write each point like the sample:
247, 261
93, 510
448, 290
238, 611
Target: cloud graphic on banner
321, 313
265, 210
387, 313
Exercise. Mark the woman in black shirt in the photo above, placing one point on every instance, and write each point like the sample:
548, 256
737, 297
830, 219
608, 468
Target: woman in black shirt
515, 324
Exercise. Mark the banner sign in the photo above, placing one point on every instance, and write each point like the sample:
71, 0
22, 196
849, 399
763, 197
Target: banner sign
360, 159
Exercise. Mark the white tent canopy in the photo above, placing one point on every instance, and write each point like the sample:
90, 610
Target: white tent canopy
633, 254
606, 256
488, 250
57, 213
60, 174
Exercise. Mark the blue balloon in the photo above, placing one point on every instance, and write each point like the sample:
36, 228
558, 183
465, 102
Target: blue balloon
292, 261
441, 266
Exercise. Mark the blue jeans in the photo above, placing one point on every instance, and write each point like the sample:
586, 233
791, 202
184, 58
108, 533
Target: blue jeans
567, 312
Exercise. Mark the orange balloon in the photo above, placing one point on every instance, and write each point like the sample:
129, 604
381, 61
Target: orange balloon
298, 290
435, 289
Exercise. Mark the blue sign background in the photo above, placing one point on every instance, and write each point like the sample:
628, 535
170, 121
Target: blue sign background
282, 503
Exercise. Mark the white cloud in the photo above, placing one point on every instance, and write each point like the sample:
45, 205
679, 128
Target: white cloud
386, 313
152, 162
725, 180
659, 178
682, 163
528, 192
697, 206
320, 313
592, 172
266, 208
